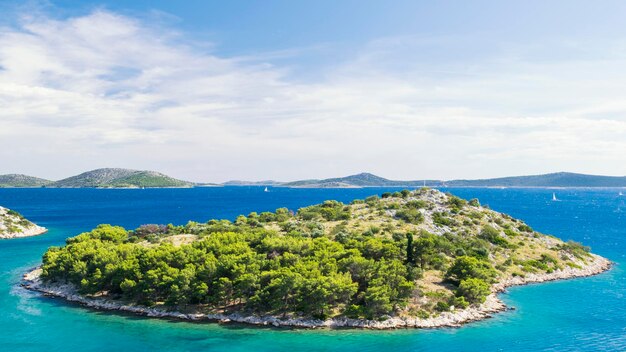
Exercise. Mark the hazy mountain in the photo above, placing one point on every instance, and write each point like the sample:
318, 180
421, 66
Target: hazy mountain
252, 183
359, 180
558, 179
120, 178
17, 180
127, 178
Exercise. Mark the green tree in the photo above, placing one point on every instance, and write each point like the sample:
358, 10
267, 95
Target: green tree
410, 250
474, 290
466, 267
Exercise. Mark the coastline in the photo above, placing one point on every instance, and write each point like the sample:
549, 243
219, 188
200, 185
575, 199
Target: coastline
29, 232
492, 304
14, 225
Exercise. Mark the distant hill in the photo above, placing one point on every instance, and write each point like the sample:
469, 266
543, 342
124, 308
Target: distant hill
251, 183
558, 179
127, 178
17, 180
120, 178
359, 180
363, 180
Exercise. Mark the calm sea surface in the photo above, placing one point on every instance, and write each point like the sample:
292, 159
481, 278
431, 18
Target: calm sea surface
578, 315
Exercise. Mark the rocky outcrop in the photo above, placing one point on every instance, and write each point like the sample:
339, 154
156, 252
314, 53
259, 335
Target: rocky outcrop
595, 265
493, 304
14, 225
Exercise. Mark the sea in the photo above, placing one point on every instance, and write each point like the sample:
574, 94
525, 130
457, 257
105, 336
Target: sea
586, 314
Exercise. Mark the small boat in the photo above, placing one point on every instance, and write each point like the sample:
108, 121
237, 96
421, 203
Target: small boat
620, 193
266, 190
554, 199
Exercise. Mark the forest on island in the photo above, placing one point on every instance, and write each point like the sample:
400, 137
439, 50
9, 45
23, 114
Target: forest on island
285, 263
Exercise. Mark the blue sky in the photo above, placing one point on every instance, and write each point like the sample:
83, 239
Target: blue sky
217, 90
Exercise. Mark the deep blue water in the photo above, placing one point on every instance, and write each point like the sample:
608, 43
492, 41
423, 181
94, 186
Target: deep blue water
577, 315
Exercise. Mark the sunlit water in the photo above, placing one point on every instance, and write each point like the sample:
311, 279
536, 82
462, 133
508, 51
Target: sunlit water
579, 315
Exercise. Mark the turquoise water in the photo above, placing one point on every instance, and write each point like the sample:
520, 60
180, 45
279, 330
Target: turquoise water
578, 315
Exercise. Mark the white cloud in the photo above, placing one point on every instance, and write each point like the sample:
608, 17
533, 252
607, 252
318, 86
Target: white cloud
109, 90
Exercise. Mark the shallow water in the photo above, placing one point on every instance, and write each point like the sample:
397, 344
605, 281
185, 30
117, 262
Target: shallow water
586, 314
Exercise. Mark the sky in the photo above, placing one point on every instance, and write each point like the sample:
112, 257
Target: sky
210, 91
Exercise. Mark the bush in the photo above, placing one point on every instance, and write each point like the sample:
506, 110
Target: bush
510, 233
267, 216
354, 311
422, 314
372, 200
576, 249
329, 210
456, 202
150, 229
442, 306
459, 302
474, 202
410, 215
474, 290
14, 213
492, 235
466, 267
103, 232
416, 204
441, 219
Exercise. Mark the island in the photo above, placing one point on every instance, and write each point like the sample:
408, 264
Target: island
364, 179
120, 178
14, 225
408, 259
100, 178
129, 178
22, 181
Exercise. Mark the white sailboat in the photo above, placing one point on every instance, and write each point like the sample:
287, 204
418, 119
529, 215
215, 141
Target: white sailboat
554, 199
266, 190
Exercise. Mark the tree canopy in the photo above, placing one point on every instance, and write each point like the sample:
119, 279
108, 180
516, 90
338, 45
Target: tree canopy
361, 260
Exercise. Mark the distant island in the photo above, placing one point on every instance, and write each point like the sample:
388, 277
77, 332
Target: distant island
416, 259
120, 178
14, 225
100, 178
22, 181
559, 179
127, 178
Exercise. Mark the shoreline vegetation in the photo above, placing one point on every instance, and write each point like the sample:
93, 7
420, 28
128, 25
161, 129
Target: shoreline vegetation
14, 225
32, 281
419, 259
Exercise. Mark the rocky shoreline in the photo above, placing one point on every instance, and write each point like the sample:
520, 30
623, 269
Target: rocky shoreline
14, 225
29, 232
456, 318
